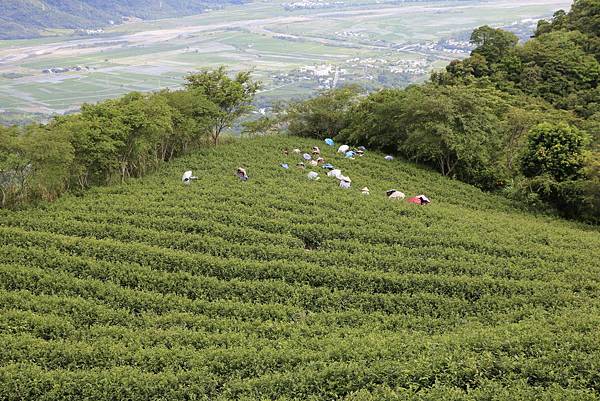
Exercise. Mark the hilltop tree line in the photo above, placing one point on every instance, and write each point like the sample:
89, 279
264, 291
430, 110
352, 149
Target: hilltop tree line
120, 138
519, 118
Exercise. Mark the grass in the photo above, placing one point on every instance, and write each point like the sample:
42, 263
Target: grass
284, 288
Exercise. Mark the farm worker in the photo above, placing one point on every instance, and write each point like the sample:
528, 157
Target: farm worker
419, 200
188, 177
313, 176
306, 156
241, 174
329, 142
320, 160
285, 166
424, 200
334, 173
393, 194
328, 166
389, 158
316, 151
365, 191
344, 184
300, 165
286, 151
343, 149
297, 150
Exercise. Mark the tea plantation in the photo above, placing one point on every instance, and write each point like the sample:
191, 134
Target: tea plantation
284, 288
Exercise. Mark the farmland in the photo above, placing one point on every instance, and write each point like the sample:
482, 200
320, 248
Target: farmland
295, 52
283, 288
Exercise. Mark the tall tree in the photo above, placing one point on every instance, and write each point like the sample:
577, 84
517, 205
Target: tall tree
323, 116
556, 150
231, 96
493, 44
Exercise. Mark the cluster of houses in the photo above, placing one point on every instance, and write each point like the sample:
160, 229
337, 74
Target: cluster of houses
308, 4
327, 76
60, 70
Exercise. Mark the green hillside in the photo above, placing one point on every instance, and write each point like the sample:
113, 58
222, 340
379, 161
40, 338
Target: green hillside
30, 18
285, 288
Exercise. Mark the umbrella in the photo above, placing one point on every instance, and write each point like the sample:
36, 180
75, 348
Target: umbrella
388, 157
350, 154
329, 142
328, 166
306, 156
313, 176
343, 149
285, 166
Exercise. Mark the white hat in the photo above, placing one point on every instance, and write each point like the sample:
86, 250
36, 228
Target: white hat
343, 149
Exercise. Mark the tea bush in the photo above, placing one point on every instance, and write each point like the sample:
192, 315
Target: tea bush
285, 288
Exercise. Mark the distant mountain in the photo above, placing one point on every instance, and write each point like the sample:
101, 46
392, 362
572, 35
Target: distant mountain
29, 18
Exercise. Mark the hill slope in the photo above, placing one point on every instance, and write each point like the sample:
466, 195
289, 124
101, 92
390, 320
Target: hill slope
281, 287
27, 18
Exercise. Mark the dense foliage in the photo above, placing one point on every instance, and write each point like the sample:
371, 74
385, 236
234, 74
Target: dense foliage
285, 288
28, 18
475, 120
121, 138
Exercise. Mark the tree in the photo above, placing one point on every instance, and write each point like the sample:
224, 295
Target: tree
375, 120
556, 150
148, 121
191, 121
231, 96
456, 129
96, 135
493, 44
555, 66
50, 155
323, 116
14, 165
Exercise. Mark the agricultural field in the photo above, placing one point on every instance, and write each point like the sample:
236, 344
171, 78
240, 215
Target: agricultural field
295, 52
285, 288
